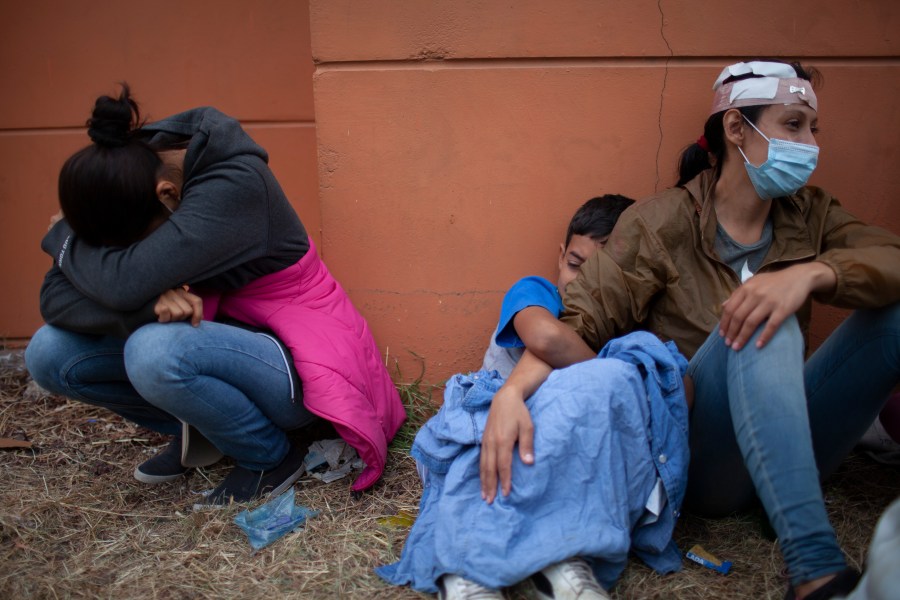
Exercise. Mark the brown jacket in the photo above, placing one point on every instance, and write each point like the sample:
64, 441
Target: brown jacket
659, 270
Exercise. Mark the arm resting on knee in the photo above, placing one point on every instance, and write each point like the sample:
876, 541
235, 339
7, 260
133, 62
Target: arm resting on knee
549, 339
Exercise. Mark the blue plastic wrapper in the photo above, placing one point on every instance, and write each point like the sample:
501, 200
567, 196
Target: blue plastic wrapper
273, 519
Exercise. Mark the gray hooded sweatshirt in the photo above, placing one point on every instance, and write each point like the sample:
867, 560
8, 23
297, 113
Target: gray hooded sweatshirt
234, 224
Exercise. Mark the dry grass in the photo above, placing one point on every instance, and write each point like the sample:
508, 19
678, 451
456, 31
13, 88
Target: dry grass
75, 524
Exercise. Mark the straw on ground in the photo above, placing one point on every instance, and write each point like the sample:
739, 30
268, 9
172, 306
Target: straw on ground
75, 524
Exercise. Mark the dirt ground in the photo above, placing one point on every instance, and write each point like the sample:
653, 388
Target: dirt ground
75, 524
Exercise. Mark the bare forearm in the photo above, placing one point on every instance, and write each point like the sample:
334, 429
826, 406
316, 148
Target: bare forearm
822, 277
549, 339
527, 376
564, 348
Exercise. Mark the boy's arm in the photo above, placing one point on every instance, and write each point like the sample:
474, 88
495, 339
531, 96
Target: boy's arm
527, 318
549, 339
509, 422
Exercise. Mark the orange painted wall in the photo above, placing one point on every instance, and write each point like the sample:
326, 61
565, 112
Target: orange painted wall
252, 60
436, 149
457, 137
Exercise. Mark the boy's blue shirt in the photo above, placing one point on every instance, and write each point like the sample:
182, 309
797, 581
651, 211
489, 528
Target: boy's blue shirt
528, 291
506, 347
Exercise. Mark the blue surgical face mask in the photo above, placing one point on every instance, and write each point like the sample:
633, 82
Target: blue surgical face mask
786, 170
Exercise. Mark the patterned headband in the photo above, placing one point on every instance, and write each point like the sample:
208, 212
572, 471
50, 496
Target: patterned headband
776, 83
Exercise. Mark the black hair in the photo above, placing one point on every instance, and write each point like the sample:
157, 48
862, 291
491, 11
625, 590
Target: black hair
695, 159
107, 190
597, 217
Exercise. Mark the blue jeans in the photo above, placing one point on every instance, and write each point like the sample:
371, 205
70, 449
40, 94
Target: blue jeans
233, 385
766, 425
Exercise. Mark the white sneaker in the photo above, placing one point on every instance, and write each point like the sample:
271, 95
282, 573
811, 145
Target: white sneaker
454, 587
571, 579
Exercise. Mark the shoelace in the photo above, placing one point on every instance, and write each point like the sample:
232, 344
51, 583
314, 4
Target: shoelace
582, 576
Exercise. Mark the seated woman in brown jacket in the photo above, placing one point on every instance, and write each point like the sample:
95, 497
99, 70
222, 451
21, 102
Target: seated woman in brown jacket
726, 265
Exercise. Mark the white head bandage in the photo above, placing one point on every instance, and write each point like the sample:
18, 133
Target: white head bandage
775, 83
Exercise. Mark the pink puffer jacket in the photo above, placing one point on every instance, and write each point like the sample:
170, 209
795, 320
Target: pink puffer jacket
344, 379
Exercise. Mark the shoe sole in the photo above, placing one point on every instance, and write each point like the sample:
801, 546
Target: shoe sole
155, 479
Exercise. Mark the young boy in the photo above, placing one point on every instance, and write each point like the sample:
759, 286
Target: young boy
528, 313
533, 304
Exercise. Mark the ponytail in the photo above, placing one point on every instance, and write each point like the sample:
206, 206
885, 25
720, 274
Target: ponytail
694, 159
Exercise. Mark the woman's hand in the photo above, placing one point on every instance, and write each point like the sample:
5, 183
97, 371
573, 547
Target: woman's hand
179, 305
771, 298
508, 422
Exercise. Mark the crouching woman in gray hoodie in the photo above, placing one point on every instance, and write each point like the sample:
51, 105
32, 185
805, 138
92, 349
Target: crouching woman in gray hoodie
152, 214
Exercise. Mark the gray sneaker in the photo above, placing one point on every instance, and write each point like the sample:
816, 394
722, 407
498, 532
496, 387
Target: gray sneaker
571, 579
454, 587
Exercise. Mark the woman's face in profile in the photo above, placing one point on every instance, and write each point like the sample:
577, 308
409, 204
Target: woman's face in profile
791, 122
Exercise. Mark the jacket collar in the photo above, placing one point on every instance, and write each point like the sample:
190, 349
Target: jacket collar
700, 189
791, 236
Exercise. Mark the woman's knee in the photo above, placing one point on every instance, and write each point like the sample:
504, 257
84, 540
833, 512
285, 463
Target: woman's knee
43, 357
154, 356
875, 331
53, 354
782, 356
788, 336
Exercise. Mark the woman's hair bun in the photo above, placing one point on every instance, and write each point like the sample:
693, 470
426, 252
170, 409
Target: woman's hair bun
113, 119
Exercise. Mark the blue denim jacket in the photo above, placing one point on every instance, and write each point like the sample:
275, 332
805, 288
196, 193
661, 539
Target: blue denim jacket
606, 431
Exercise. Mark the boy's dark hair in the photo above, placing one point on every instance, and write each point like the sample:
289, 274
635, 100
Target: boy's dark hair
597, 217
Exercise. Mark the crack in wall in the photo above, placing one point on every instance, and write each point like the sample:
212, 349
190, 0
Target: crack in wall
662, 92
